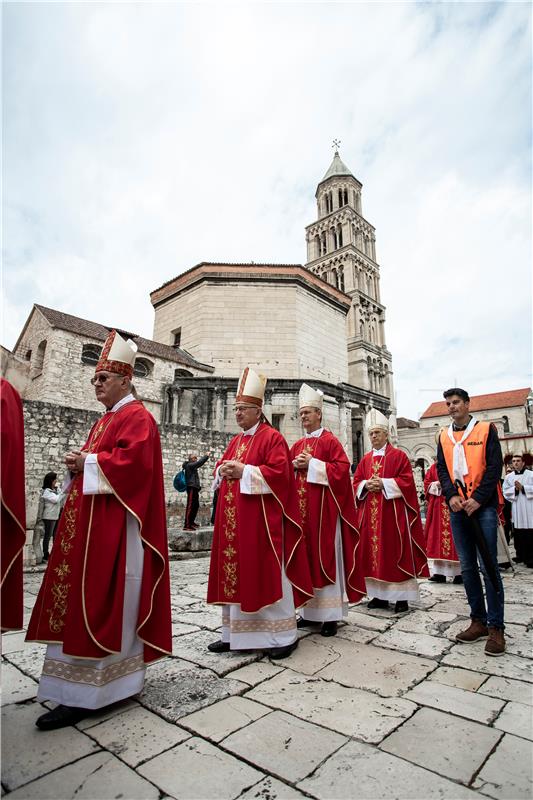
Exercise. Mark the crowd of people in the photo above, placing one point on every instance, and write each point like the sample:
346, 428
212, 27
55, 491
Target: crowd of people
296, 537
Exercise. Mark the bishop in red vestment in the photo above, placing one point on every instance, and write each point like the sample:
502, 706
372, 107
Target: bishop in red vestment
327, 508
442, 556
104, 604
13, 505
392, 541
259, 570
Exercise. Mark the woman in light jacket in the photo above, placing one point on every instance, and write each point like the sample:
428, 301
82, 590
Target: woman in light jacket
51, 506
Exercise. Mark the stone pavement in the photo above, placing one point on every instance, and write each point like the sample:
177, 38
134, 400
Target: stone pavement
391, 707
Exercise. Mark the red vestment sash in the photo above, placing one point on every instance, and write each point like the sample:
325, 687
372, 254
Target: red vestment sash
81, 600
13, 517
255, 534
438, 533
320, 506
392, 541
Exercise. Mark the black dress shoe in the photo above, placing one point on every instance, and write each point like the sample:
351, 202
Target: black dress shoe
305, 623
377, 603
518, 561
438, 578
219, 647
282, 652
328, 629
61, 717
400, 606
459, 578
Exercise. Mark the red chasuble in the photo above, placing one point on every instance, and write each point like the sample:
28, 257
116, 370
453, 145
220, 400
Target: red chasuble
319, 508
439, 540
13, 505
392, 540
80, 603
256, 533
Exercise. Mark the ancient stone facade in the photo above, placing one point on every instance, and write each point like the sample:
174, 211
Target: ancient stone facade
51, 430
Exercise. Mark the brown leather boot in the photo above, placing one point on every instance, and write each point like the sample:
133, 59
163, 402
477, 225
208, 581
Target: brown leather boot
476, 631
496, 643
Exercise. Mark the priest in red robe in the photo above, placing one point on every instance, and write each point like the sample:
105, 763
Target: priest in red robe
392, 541
13, 506
104, 604
442, 556
259, 571
327, 508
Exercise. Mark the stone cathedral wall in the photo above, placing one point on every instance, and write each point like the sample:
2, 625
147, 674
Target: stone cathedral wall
51, 430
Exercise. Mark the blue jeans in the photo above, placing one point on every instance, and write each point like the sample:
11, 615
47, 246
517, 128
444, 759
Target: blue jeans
465, 544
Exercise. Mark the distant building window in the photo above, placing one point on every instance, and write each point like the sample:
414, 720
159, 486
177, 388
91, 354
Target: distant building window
176, 342
277, 421
90, 354
506, 427
28, 355
39, 359
182, 373
142, 368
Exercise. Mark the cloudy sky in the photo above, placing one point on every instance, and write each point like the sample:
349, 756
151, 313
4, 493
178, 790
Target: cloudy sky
140, 139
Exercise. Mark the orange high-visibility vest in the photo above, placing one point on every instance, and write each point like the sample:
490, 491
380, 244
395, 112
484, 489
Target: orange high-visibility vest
475, 446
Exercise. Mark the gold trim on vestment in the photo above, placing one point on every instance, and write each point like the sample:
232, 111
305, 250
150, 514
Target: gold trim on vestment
92, 676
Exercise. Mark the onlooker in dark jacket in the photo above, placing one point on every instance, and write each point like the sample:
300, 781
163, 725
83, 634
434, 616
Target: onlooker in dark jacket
192, 479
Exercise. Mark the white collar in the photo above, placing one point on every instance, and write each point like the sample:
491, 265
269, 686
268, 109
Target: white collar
314, 434
379, 452
251, 431
128, 399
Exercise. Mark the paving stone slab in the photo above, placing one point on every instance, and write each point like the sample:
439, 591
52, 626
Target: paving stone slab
175, 690
16, 687
417, 643
202, 619
461, 678
28, 753
29, 660
367, 620
462, 747
12, 642
429, 622
219, 720
508, 689
314, 653
99, 776
516, 718
518, 591
257, 672
137, 736
360, 771
349, 711
471, 656
507, 774
197, 590
272, 789
197, 770
518, 640
454, 605
518, 613
456, 701
385, 672
356, 634
180, 601
179, 628
106, 713
283, 745
193, 647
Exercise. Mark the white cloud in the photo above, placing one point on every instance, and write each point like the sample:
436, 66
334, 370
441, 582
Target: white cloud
141, 139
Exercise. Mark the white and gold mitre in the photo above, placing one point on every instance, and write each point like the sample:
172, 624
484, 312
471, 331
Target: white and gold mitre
309, 397
118, 355
375, 419
251, 388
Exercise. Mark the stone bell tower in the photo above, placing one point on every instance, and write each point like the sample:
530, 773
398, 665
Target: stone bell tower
341, 249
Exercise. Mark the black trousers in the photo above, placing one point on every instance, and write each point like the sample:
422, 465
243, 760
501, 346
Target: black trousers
193, 504
49, 526
523, 544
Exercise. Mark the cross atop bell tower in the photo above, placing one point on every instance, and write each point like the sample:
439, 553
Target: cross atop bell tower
341, 249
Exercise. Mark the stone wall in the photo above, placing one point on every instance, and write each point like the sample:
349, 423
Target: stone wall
51, 430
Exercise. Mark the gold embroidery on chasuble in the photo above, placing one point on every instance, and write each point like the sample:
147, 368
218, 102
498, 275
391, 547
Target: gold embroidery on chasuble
60, 586
446, 532
301, 480
374, 515
229, 552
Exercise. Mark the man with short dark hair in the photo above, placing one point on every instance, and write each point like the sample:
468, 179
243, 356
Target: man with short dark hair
469, 465
192, 480
518, 490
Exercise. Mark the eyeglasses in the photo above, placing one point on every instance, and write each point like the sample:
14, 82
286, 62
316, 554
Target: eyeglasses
101, 379
242, 408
